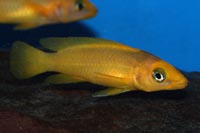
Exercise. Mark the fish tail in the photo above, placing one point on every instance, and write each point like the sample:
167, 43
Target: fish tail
26, 61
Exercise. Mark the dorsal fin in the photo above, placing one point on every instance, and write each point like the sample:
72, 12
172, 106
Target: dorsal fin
58, 43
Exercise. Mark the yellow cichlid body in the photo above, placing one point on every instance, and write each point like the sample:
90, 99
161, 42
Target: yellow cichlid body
29, 14
98, 61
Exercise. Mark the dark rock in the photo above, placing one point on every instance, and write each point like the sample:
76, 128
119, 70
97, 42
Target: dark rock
34, 106
12, 122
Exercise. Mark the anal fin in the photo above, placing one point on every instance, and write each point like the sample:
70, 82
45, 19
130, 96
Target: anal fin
110, 92
62, 79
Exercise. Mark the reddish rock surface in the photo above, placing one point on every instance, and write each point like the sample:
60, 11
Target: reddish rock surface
34, 106
12, 122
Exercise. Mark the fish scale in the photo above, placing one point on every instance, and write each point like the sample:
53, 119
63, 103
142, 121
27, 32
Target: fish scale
97, 61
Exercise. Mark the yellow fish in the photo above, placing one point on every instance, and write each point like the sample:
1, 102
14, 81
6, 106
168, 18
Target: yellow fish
29, 14
97, 61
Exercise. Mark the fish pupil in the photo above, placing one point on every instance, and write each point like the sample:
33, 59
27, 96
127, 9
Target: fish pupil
158, 75
79, 6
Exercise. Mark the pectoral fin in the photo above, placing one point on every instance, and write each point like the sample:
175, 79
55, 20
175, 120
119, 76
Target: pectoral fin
62, 79
110, 92
26, 26
41, 9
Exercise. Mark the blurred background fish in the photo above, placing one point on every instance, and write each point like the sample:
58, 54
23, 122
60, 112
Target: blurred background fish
29, 14
98, 61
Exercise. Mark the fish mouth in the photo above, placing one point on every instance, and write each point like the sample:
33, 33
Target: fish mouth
91, 13
181, 85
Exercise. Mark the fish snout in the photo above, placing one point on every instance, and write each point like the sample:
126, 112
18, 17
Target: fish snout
181, 84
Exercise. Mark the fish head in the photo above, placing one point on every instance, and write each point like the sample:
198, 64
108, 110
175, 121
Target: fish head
74, 10
159, 75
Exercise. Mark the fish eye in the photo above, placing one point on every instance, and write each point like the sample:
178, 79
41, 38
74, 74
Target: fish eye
79, 5
159, 75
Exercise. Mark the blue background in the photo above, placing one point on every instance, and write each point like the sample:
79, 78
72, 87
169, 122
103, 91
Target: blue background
169, 29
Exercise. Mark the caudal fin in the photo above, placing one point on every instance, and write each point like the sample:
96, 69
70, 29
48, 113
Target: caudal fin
26, 61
